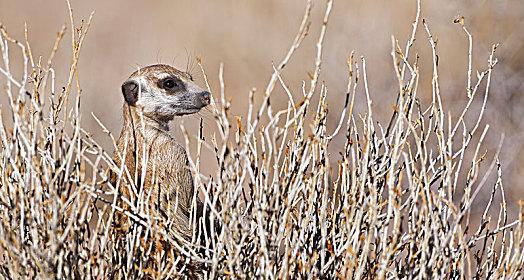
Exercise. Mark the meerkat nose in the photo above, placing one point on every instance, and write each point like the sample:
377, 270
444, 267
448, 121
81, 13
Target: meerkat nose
205, 98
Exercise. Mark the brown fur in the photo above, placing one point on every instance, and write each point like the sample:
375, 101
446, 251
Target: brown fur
172, 188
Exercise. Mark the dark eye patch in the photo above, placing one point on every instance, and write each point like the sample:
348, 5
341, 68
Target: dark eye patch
171, 84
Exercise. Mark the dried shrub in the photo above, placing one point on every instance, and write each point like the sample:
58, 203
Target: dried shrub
394, 202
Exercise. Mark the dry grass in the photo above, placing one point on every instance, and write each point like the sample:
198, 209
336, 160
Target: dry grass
397, 203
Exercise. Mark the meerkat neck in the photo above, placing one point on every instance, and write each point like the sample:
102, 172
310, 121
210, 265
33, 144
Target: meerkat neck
133, 119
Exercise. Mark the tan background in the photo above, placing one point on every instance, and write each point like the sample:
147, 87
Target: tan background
247, 36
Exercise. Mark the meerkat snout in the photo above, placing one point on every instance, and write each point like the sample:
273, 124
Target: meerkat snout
205, 98
163, 92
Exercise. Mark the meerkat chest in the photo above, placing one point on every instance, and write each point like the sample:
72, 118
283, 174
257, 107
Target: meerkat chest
157, 151
166, 153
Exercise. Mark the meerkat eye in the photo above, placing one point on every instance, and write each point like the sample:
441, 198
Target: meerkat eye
169, 84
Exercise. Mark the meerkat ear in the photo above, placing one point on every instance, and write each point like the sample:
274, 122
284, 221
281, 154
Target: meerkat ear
130, 92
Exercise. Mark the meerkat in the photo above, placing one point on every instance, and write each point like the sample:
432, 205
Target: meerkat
155, 95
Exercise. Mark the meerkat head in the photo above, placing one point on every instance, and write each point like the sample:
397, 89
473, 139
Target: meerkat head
163, 92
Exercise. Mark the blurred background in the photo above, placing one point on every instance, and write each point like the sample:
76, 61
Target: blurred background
248, 36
